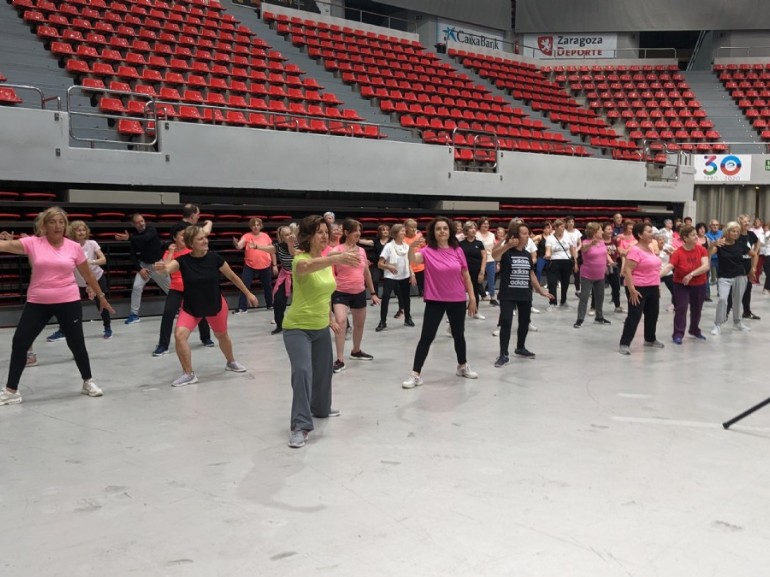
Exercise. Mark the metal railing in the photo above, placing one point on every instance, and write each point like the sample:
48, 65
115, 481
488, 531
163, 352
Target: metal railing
352, 14
44, 100
742, 51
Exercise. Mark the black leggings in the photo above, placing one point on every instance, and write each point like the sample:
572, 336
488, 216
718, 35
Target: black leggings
280, 302
649, 304
105, 314
33, 319
766, 268
559, 271
506, 320
171, 308
402, 288
477, 288
434, 312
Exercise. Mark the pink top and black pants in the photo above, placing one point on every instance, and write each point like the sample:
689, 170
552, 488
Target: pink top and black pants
444, 293
646, 277
52, 292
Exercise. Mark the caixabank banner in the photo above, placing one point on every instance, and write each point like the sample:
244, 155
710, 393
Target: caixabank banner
551, 46
722, 168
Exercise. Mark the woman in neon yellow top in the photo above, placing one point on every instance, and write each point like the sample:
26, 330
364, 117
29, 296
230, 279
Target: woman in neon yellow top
306, 327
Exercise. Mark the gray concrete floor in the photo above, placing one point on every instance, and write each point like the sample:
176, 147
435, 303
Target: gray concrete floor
582, 462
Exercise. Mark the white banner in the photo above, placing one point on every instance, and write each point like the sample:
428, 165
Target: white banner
722, 167
447, 30
546, 46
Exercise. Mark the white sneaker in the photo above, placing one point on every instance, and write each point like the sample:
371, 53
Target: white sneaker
536, 311
551, 308
716, 330
742, 327
185, 379
413, 381
479, 317
8, 397
496, 332
591, 312
465, 371
235, 366
532, 327
90, 389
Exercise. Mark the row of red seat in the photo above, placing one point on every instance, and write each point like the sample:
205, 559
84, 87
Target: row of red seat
749, 87
8, 96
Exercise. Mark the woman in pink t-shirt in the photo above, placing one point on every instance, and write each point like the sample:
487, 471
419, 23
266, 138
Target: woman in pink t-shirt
350, 294
642, 274
256, 263
447, 282
592, 273
52, 292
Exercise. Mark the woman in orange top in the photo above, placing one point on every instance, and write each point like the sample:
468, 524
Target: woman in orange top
412, 234
256, 262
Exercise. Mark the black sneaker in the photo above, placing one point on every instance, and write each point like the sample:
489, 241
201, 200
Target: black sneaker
602, 321
493, 303
361, 356
524, 354
577, 324
276, 330
408, 322
399, 314
381, 327
750, 316
339, 366
208, 343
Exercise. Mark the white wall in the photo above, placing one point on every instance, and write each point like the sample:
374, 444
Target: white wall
195, 155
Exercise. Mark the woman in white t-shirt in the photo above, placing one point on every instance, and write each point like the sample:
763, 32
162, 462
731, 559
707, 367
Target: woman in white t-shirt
562, 254
399, 276
488, 238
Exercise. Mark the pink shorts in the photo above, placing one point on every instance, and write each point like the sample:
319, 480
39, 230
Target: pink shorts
218, 322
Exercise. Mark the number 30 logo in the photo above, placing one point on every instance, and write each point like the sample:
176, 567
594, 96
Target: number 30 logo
730, 165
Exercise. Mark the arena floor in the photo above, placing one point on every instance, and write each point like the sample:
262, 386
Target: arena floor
580, 463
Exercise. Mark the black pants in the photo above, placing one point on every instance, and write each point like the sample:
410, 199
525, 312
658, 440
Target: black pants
33, 319
173, 302
668, 280
265, 276
506, 320
559, 271
402, 288
766, 268
420, 278
649, 306
434, 312
280, 302
613, 277
377, 276
477, 288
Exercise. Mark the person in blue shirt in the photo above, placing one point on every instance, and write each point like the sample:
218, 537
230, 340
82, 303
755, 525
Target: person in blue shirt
713, 234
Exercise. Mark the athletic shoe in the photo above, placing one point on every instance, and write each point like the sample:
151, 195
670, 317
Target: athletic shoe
536, 311
235, 366
707, 299
297, 439
90, 389
493, 303
602, 321
501, 361
160, 351
619, 309
348, 333
382, 327
524, 354
399, 314
591, 312
408, 322
185, 379
208, 343
563, 306
654, 344
623, 350
268, 308
551, 308
716, 330
532, 327
56, 337
31, 359
496, 332
479, 317
276, 330
742, 327
765, 292
413, 381
339, 366
332, 413
240, 311
577, 324
8, 397
751, 316
131, 319
465, 371
700, 337
107, 334
677, 340
361, 356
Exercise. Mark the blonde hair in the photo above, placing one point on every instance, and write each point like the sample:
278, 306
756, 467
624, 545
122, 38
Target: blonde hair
46, 216
77, 224
190, 234
592, 228
732, 224
468, 225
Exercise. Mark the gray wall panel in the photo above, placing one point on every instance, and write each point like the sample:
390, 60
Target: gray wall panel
534, 16
491, 13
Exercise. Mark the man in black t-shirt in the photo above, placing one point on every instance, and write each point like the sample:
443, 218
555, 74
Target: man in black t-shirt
146, 250
190, 216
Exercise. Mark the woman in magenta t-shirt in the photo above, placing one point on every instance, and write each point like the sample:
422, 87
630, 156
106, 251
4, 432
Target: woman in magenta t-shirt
52, 291
447, 282
642, 274
592, 273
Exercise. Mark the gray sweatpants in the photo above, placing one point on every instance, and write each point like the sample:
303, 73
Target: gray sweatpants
590, 288
311, 358
162, 280
738, 285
